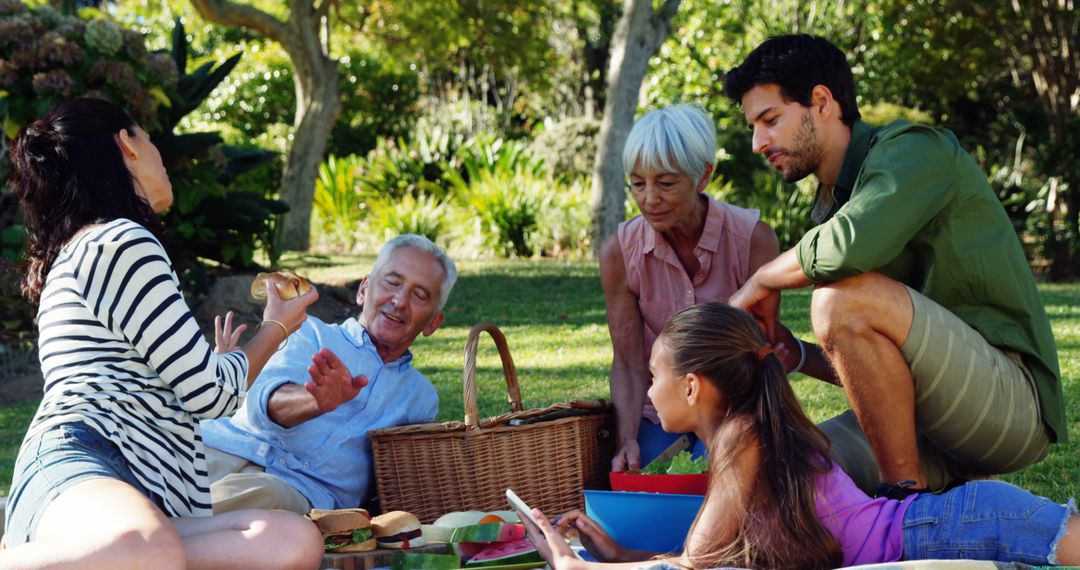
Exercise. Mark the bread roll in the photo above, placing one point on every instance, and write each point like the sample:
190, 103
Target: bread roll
289, 285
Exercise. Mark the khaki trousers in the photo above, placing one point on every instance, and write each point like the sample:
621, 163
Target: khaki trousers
236, 483
976, 409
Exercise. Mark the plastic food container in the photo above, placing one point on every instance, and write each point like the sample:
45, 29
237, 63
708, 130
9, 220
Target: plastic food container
646, 521
678, 484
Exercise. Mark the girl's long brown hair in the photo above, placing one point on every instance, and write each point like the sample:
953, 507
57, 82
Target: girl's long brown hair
779, 527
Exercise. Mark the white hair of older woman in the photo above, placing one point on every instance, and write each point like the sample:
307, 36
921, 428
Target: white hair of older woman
680, 138
422, 243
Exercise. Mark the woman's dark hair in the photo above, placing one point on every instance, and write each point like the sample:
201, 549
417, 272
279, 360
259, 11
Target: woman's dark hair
68, 172
797, 63
779, 526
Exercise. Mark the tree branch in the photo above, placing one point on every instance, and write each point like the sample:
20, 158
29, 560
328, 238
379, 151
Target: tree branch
230, 13
667, 11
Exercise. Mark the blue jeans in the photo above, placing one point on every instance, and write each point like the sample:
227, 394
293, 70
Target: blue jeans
53, 461
985, 520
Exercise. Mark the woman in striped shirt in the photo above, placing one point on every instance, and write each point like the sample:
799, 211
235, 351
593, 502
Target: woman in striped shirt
112, 472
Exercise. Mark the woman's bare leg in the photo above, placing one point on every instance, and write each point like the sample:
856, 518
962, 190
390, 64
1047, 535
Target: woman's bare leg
250, 539
99, 523
1069, 548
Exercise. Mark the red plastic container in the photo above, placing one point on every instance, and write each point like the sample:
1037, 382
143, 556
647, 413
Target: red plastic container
677, 484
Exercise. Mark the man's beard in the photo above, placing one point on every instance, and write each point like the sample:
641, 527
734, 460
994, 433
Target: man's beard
804, 155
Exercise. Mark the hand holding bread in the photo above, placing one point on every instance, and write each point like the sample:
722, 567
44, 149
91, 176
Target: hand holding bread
287, 297
288, 284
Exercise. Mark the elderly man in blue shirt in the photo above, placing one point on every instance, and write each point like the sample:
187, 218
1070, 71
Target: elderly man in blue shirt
300, 439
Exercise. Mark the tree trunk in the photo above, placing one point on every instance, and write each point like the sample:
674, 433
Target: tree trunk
317, 100
637, 37
317, 107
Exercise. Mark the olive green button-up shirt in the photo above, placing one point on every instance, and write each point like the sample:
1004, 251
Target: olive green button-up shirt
919, 210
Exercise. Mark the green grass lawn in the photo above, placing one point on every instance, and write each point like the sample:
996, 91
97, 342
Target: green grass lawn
553, 315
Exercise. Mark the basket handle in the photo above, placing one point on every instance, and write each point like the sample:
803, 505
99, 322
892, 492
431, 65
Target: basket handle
513, 390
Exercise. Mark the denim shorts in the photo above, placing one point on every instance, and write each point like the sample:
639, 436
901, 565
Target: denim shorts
50, 463
986, 520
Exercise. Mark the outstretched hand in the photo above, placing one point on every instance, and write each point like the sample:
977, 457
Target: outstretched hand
331, 382
226, 339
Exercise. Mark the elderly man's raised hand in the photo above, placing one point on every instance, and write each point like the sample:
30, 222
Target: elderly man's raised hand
331, 383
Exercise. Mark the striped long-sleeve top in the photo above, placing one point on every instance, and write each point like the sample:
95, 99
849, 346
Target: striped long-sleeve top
122, 353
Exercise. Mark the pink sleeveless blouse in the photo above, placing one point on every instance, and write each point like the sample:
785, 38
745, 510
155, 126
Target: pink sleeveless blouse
656, 277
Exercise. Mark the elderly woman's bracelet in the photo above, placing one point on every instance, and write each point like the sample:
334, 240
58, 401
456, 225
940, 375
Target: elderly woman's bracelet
802, 356
284, 329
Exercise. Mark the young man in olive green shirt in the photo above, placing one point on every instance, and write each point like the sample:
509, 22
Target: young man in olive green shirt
924, 303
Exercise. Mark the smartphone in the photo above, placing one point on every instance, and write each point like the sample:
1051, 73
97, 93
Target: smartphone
524, 511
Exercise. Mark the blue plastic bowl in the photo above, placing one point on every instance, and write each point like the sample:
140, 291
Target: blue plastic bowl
644, 521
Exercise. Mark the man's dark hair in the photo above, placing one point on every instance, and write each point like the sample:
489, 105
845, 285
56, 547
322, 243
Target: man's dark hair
797, 63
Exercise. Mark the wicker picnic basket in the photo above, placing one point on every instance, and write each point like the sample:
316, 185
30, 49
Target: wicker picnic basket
547, 455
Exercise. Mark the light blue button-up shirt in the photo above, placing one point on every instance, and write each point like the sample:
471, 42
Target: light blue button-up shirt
327, 458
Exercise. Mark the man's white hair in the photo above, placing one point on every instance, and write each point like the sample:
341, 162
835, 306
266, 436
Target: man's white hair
423, 244
680, 138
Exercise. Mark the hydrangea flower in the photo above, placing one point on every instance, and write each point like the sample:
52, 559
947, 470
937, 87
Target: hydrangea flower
116, 74
104, 37
56, 81
9, 74
135, 46
53, 48
162, 69
10, 7
18, 31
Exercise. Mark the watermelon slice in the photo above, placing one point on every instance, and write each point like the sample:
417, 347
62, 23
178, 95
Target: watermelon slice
488, 532
418, 561
505, 553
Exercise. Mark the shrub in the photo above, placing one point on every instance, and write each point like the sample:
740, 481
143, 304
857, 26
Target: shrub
487, 153
785, 207
563, 221
378, 99
339, 202
396, 168
210, 218
45, 58
408, 215
506, 207
567, 148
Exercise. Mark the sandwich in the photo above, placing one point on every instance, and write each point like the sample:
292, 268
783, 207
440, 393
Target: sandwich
398, 529
289, 285
344, 530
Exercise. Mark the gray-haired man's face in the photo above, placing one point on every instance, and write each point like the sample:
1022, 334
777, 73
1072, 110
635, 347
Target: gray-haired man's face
402, 299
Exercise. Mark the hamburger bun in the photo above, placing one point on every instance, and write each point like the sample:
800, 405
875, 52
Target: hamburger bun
289, 285
398, 529
344, 530
340, 520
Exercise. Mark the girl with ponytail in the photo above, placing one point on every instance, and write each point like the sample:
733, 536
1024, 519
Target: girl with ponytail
776, 500
112, 470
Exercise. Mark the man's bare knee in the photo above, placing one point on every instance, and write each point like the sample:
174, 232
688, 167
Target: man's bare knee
860, 305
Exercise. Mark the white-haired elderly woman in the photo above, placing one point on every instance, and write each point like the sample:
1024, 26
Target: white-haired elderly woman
685, 248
